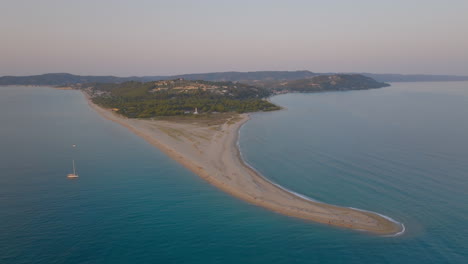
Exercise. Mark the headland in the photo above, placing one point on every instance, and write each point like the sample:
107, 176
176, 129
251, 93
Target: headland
209, 148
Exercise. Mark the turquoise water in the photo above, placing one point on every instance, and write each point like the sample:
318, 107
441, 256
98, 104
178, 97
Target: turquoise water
401, 151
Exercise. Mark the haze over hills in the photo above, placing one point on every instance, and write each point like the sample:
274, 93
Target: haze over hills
69, 79
250, 77
260, 78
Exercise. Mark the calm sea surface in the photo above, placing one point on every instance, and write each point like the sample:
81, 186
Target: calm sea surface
401, 151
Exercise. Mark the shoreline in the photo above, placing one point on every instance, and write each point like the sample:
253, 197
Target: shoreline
213, 154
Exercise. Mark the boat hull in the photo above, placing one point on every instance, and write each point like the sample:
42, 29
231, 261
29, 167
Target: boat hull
72, 176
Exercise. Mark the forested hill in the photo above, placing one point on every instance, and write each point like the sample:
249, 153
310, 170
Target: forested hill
336, 82
254, 78
178, 97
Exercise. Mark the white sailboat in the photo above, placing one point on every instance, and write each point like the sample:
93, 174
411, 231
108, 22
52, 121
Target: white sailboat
73, 175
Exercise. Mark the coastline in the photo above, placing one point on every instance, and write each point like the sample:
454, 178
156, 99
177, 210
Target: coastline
212, 152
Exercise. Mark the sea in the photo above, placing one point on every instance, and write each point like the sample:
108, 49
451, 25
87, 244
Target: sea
401, 151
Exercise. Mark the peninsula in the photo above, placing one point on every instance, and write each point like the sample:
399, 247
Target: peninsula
202, 134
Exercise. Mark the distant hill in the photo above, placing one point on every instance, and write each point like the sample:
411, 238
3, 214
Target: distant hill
259, 78
61, 79
268, 76
414, 77
248, 76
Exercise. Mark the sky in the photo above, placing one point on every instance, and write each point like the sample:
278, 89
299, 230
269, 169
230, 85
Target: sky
164, 37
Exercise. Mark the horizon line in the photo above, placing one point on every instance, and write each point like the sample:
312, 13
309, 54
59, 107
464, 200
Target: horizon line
217, 72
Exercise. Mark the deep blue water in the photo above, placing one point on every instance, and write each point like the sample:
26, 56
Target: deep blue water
401, 151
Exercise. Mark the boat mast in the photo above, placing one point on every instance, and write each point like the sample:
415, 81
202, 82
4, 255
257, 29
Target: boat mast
74, 173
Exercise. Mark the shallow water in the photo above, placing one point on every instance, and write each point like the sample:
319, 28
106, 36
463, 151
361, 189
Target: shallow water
400, 151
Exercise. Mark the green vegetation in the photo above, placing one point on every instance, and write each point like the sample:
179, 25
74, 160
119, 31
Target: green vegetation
335, 82
179, 97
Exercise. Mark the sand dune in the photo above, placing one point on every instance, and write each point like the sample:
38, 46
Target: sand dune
209, 149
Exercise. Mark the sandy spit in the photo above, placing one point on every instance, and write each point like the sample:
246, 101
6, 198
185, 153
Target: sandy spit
211, 152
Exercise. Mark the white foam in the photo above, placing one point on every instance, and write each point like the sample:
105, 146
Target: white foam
388, 218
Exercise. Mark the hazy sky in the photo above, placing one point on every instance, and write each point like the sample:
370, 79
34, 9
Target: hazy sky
158, 37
